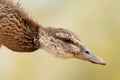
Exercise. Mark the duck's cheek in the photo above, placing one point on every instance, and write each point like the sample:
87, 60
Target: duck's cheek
59, 53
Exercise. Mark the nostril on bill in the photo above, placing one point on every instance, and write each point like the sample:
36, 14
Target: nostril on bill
87, 52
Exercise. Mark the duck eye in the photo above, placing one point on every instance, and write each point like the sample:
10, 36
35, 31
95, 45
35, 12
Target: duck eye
87, 52
67, 40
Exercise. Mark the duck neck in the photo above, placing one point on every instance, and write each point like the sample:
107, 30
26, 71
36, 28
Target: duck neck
43, 37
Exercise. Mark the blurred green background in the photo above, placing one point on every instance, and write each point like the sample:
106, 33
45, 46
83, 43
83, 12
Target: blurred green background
97, 23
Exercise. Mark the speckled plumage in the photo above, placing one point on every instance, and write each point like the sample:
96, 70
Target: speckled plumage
16, 28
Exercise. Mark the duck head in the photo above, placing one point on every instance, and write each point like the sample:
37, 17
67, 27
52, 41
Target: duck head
63, 43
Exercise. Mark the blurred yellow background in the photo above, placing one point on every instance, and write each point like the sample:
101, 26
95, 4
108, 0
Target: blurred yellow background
97, 22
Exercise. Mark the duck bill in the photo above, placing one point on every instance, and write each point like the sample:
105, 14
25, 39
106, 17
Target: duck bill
87, 55
91, 58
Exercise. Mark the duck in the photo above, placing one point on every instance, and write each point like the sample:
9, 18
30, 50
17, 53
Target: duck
20, 33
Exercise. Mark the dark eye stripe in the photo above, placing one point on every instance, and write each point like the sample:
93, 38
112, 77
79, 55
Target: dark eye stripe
67, 40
